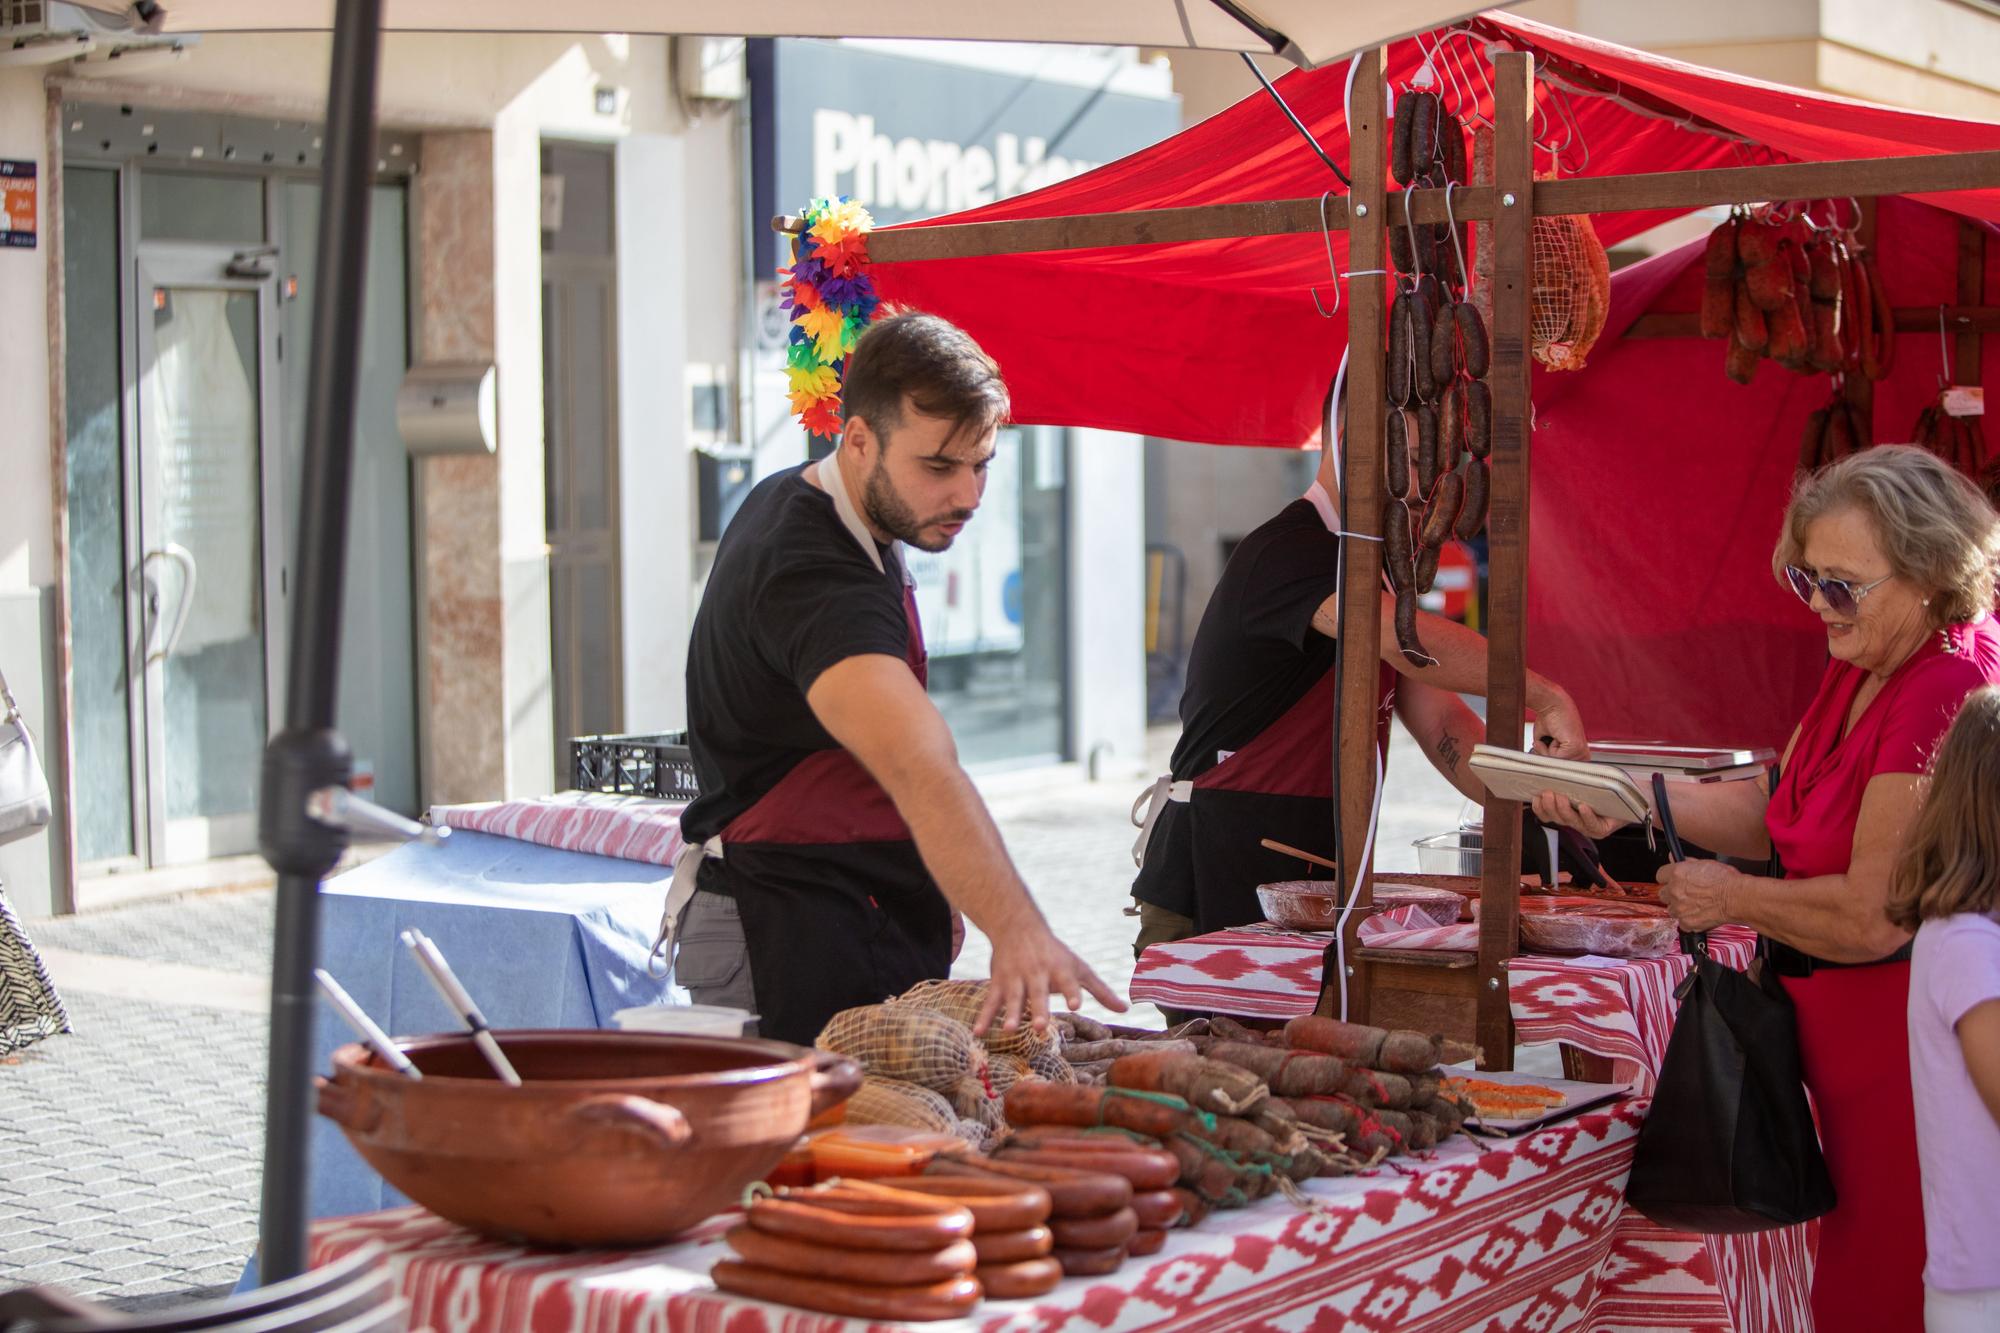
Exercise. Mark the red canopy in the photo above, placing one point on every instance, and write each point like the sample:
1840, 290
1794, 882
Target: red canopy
1658, 482
1658, 488
1219, 341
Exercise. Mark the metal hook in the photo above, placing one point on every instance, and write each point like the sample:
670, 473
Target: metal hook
1326, 233
1434, 56
1568, 110
1944, 350
1451, 218
1416, 253
1473, 58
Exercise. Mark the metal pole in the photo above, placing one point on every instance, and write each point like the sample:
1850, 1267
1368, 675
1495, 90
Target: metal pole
309, 754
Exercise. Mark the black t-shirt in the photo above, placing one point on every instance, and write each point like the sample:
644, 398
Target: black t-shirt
791, 594
1256, 653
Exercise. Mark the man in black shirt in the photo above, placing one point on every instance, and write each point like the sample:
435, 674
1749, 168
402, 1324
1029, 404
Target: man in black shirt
1254, 759
836, 832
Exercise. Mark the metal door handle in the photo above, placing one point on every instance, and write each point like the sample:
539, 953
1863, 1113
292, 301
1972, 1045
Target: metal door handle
183, 557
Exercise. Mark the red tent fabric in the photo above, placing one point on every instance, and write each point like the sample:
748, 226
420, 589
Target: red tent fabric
1219, 341
1658, 483
1658, 487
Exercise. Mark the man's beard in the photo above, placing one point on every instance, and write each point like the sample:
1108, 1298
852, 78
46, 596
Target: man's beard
888, 511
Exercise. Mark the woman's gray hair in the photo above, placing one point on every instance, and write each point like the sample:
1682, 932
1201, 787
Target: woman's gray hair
1935, 526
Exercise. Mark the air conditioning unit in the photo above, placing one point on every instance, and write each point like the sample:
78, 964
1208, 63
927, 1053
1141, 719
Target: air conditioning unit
710, 69
41, 32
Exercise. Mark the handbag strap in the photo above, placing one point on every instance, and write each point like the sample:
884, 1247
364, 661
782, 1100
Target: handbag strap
1693, 942
12, 710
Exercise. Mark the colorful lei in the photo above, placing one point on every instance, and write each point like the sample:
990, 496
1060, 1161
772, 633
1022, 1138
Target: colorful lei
831, 299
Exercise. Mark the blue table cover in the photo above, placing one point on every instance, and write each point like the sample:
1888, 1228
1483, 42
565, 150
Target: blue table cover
542, 938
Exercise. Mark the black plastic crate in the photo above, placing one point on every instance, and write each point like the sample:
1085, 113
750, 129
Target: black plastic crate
658, 766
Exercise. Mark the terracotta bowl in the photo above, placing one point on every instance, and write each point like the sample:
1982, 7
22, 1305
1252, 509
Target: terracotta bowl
614, 1138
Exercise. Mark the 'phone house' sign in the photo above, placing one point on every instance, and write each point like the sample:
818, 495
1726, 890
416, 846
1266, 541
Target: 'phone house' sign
910, 137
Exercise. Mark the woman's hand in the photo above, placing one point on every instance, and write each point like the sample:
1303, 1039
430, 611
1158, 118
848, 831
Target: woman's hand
1697, 893
1552, 807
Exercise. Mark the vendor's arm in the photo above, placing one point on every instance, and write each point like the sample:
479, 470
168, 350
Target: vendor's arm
1446, 729
1461, 666
1841, 918
875, 707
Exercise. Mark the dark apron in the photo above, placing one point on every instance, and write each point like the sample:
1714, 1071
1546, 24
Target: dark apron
836, 905
1279, 786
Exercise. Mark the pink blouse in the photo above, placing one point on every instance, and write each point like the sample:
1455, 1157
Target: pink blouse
1818, 801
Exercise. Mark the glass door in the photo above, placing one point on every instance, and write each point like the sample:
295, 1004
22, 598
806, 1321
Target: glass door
205, 352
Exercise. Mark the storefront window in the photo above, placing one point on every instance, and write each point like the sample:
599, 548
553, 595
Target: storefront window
994, 615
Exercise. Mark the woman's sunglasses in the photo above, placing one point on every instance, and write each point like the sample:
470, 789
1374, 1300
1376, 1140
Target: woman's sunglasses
1842, 596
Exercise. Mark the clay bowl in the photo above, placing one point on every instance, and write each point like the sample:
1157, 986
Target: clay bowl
614, 1138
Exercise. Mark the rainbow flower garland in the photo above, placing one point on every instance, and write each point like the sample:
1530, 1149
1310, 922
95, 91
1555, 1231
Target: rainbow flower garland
831, 299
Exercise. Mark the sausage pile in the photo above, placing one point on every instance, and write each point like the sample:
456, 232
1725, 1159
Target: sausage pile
1782, 287
1440, 409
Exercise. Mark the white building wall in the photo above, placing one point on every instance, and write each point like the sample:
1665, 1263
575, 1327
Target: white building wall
1107, 606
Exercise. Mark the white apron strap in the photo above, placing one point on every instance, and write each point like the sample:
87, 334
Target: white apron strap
687, 872
1146, 810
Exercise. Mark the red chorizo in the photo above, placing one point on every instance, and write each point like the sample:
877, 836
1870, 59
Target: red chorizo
1427, 448
1399, 559
1019, 1281
1396, 453
1478, 418
1442, 511
1472, 511
863, 1221
1402, 157
1472, 337
1427, 568
1157, 1209
1094, 1233
832, 1260
1074, 1193
1091, 1263
1146, 1168
1443, 350
939, 1300
1150, 1240
1008, 1247
995, 1205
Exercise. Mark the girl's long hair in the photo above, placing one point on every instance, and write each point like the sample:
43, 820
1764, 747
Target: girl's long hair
1951, 863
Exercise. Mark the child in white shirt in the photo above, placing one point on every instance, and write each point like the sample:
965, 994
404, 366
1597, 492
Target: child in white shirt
1946, 887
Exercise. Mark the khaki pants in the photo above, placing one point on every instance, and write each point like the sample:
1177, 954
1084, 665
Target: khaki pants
1157, 925
713, 960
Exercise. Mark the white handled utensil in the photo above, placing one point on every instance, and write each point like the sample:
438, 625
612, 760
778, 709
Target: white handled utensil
455, 995
364, 1026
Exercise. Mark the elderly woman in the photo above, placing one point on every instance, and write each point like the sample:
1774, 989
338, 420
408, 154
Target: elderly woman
1895, 553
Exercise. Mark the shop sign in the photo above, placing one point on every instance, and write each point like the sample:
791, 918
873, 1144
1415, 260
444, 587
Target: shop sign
17, 204
910, 137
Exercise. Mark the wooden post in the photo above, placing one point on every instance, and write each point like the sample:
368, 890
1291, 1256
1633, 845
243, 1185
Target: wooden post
1971, 288
1507, 541
1367, 420
1859, 389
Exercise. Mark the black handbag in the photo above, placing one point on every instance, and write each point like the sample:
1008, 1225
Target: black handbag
1729, 1144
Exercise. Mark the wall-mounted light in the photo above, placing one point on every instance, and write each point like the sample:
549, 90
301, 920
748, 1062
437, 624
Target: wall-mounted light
606, 101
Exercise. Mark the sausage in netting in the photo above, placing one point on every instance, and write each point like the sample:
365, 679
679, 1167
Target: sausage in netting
1400, 353
1427, 568
1442, 511
1400, 561
1427, 448
1472, 334
1406, 627
1478, 418
1421, 379
1472, 511
939, 1300
1396, 454
1443, 350
1401, 164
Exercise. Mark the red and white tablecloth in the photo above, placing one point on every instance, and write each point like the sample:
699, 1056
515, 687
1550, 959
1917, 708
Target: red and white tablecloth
632, 828
1620, 1008
1514, 1234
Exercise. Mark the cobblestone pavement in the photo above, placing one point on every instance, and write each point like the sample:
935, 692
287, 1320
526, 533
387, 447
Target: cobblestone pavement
131, 1150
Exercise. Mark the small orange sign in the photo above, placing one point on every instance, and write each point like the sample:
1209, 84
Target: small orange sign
17, 204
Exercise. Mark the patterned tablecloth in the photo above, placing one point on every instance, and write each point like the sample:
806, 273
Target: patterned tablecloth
1513, 1234
632, 828
1620, 1008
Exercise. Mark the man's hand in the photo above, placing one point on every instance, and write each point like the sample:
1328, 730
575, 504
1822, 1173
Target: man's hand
957, 933
1558, 726
1030, 964
1697, 893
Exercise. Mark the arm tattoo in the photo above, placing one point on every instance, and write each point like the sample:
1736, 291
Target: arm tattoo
1448, 749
